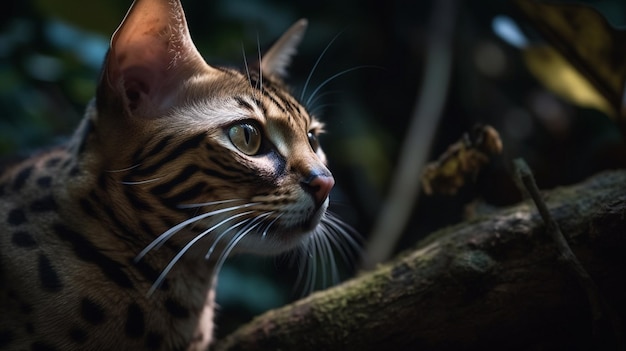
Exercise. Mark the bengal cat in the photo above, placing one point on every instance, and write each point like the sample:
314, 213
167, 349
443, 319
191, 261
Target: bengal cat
113, 241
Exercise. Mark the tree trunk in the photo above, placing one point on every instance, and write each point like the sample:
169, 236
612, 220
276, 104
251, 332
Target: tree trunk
494, 282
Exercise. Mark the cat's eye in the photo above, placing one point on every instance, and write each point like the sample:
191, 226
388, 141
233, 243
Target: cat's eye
315, 144
246, 138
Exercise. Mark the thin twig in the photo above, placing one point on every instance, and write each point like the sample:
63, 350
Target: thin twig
404, 186
599, 306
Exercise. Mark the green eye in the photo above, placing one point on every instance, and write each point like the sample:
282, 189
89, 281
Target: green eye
315, 144
246, 138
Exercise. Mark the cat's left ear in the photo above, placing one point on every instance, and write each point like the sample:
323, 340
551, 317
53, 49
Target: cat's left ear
278, 57
151, 55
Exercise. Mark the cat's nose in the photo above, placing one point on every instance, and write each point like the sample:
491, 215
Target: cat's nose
319, 185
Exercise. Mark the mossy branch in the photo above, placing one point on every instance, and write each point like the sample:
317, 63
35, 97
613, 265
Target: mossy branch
493, 282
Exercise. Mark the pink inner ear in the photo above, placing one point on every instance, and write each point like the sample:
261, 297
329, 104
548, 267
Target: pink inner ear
146, 66
137, 84
143, 65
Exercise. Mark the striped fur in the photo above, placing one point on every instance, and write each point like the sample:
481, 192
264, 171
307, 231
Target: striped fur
113, 240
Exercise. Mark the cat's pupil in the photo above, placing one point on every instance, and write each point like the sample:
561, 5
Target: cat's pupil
315, 144
247, 133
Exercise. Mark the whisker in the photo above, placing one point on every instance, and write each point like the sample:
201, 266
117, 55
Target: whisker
303, 261
186, 248
343, 236
334, 76
308, 78
139, 182
123, 169
312, 269
245, 63
223, 234
270, 225
323, 254
318, 109
326, 240
347, 230
156, 243
326, 93
240, 235
258, 45
332, 240
185, 206
307, 266
346, 254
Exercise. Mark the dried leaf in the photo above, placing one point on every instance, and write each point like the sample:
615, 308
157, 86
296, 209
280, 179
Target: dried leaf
587, 42
461, 160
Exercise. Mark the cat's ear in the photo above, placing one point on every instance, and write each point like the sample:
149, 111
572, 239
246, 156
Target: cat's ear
151, 53
278, 57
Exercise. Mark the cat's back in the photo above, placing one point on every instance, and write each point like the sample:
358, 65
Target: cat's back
29, 256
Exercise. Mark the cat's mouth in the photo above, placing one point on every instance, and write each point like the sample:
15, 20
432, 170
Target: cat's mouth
311, 223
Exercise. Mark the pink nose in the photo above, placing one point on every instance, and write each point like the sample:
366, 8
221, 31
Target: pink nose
319, 186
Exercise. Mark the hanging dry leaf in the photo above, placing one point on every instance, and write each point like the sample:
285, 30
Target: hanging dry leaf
461, 160
560, 77
588, 64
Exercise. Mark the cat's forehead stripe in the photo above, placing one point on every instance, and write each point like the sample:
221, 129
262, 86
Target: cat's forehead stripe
241, 101
285, 103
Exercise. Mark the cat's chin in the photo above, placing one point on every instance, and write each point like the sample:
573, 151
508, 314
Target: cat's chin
310, 224
284, 238
293, 236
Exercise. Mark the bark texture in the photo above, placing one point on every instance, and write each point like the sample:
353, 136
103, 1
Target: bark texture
494, 282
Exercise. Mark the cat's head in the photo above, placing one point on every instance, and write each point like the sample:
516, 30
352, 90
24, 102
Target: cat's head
202, 149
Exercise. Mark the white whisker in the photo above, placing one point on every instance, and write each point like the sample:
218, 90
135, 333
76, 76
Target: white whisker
223, 234
317, 110
323, 254
258, 45
139, 182
307, 266
245, 63
332, 237
240, 235
346, 254
334, 273
208, 203
156, 243
186, 248
308, 101
270, 225
330, 243
347, 232
123, 169
320, 96
308, 78
348, 248
312, 268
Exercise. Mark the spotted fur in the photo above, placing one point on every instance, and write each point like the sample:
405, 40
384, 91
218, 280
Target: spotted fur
113, 240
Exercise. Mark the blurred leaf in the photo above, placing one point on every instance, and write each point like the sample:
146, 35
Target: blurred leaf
101, 16
584, 42
560, 77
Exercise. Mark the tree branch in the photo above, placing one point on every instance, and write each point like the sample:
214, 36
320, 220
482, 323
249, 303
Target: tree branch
492, 282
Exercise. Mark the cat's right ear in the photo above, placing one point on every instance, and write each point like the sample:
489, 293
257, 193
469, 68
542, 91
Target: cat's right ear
151, 54
278, 57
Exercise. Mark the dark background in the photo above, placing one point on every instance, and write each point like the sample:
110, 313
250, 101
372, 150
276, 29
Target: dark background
51, 51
